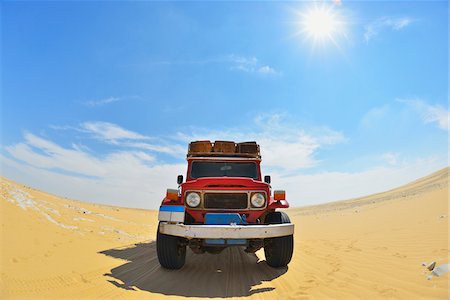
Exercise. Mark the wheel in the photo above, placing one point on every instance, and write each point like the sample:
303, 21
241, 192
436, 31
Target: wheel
278, 250
171, 251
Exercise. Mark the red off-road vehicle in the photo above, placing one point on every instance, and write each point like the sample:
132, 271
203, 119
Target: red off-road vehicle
224, 202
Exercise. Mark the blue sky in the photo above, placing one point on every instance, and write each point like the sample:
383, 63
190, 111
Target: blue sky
99, 99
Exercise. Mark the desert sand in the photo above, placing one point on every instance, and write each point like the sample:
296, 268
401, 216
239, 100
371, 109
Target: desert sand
367, 248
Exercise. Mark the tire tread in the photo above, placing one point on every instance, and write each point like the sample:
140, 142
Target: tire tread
167, 251
280, 247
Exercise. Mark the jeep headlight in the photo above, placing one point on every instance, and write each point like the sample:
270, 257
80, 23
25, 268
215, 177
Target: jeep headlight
193, 199
258, 200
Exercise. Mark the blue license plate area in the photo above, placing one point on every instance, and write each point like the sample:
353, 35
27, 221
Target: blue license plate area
224, 219
219, 242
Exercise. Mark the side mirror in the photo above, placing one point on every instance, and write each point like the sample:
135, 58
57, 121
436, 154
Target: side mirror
267, 179
180, 179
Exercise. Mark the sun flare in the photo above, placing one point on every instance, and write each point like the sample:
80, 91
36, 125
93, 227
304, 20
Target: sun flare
322, 24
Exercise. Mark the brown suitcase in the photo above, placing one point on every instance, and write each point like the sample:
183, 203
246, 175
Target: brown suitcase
200, 147
224, 147
248, 147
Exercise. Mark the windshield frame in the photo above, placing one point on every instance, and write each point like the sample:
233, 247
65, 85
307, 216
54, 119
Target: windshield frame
255, 162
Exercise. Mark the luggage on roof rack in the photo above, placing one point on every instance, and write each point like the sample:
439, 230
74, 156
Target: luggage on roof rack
200, 147
248, 147
224, 149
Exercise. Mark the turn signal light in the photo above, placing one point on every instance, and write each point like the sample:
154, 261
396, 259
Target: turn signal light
279, 195
172, 194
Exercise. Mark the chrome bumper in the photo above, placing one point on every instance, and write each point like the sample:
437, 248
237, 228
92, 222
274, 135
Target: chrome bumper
227, 231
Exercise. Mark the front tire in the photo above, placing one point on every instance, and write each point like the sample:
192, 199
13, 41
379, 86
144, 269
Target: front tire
171, 251
278, 250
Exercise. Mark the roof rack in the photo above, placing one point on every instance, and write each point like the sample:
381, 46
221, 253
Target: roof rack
223, 149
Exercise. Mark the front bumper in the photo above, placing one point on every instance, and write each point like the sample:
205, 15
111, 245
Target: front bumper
227, 231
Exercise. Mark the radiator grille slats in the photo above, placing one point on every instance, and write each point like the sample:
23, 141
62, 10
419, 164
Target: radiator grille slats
226, 200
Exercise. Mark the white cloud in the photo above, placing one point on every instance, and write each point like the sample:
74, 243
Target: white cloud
383, 23
243, 63
127, 178
284, 145
172, 149
101, 102
127, 166
116, 135
322, 187
128, 182
110, 132
133, 177
44, 154
400, 23
390, 158
430, 113
374, 116
266, 70
250, 65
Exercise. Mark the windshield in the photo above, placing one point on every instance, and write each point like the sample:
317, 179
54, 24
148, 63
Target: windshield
221, 168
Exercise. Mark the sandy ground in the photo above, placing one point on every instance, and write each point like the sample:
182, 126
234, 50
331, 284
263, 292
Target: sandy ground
367, 248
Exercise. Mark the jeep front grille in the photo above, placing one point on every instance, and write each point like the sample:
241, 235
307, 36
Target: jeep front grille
226, 200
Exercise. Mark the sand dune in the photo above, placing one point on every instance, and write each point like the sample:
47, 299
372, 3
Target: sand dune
372, 247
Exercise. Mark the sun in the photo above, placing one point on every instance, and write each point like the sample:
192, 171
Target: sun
321, 24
